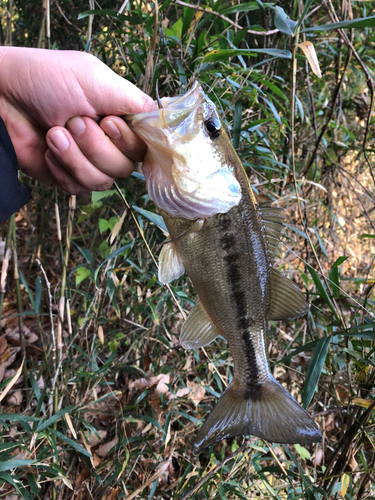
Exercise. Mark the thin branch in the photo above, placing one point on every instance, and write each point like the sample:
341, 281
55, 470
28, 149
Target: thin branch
252, 32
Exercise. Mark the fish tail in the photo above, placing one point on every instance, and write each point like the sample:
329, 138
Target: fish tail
269, 412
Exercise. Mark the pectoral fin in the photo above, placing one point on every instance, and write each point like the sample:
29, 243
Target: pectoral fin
287, 300
198, 330
170, 264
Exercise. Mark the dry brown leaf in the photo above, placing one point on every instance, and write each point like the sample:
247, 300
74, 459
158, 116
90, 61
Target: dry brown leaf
15, 398
101, 334
113, 495
180, 393
83, 475
309, 51
197, 392
93, 439
106, 447
146, 383
342, 393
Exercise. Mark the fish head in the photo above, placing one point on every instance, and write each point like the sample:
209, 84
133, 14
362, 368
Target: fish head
186, 167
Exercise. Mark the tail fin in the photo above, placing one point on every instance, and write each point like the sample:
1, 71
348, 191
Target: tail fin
271, 414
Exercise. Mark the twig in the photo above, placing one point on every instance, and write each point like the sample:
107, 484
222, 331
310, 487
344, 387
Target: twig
4, 269
330, 115
202, 9
19, 301
212, 472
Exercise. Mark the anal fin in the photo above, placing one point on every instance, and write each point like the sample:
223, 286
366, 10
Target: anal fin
287, 300
270, 413
198, 330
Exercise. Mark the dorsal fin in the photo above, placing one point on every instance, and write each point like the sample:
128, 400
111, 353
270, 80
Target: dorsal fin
273, 224
287, 300
198, 330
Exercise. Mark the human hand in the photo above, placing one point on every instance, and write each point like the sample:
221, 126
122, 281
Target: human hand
51, 101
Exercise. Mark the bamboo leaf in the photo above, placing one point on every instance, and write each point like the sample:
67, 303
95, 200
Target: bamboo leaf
315, 369
222, 55
241, 7
309, 51
72, 443
155, 218
363, 22
321, 289
13, 464
283, 22
345, 480
46, 423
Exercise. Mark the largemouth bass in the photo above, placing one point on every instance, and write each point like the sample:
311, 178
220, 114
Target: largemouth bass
226, 243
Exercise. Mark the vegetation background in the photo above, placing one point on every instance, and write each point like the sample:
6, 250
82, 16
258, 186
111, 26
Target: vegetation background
106, 401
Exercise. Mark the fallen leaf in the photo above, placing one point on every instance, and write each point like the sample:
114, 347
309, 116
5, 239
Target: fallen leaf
146, 383
94, 439
197, 392
106, 447
15, 398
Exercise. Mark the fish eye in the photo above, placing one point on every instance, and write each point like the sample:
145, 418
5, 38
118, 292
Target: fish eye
213, 127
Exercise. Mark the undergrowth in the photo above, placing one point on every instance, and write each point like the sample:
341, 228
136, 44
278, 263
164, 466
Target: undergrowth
107, 401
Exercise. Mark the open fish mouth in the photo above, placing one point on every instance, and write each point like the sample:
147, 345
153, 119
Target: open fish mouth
185, 167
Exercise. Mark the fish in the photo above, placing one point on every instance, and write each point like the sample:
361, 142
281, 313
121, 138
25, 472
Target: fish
226, 242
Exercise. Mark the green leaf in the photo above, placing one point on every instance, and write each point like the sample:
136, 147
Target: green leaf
333, 274
15, 417
303, 15
366, 236
81, 274
283, 22
364, 331
112, 255
96, 196
46, 423
241, 7
29, 293
105, 224
303, 453
363, 22
155, 218
321, 289
13, 464
88, 210
222, 55
72, 443
315, 369
237, 123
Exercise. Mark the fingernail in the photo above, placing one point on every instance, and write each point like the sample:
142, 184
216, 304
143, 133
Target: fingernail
76, 125
111, 129
59, 140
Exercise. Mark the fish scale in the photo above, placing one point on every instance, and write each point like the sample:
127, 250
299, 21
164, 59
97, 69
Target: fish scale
226, 243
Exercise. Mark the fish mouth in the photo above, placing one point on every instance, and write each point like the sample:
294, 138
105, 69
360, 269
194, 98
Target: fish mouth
177, 117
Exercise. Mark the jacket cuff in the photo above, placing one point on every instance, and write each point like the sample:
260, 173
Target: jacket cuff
13, 194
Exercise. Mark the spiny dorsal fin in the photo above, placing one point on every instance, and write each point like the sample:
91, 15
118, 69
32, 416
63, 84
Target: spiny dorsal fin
198, 330
287, 300
273, 224
170, 264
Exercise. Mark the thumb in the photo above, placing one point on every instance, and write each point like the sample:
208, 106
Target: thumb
114, 95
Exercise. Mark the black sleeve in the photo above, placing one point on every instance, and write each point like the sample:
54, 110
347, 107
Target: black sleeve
13, 194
